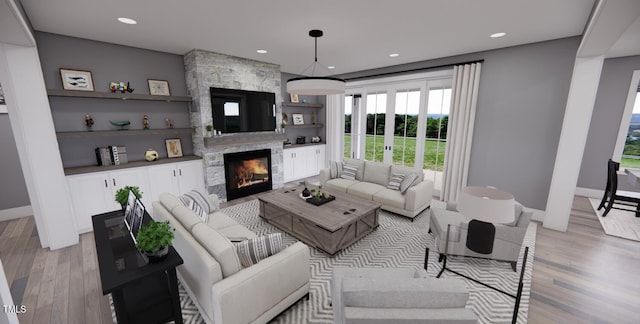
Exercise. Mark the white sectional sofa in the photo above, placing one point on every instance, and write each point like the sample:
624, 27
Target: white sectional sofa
224, 291
371, 182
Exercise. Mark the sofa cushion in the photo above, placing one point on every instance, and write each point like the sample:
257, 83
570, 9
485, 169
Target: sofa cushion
357, 163
349, 172
395, 181
406, 170
335, 169
219, 247
169, 201
377, 172
253, 250
390, 197
339, 184
186, 217
199, 203
237, 233
365, 190
409, 181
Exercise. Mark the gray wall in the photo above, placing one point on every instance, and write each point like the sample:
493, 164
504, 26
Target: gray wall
605, 122
521, 102
110, 62
14, 190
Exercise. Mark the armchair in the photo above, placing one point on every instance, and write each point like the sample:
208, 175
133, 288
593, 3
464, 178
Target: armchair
508, 237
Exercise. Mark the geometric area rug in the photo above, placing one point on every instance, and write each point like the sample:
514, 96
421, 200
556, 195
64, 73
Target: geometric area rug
620, 223
397, 242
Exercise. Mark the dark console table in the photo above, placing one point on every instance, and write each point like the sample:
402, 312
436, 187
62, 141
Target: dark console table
142, 292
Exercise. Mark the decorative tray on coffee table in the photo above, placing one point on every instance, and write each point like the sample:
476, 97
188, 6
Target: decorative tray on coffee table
320, 201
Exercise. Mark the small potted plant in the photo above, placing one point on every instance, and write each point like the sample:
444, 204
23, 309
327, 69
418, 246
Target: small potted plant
122, 195
305, 193
154, 239
209, 130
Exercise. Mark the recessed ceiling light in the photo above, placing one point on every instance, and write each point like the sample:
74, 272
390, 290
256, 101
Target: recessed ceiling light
497, 35
331, 67
394, 55
262, 51
127, 21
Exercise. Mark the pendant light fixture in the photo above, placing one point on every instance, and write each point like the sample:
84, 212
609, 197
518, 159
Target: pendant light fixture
315, 85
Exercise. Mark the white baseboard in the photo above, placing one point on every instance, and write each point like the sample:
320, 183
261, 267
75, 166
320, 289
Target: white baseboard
590, 193
17, 212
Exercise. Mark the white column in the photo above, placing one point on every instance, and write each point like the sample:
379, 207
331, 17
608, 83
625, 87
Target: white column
573, 137
33, 129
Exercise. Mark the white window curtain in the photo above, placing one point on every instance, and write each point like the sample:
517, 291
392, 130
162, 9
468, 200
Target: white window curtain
335, 127
460, 129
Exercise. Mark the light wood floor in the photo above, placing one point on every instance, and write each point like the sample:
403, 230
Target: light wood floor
581, 276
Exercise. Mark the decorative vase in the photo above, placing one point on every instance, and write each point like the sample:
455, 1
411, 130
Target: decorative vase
151, 155
158, 255
306, 192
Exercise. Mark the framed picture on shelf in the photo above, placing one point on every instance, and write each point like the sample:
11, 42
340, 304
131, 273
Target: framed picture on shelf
159, 87
174, 147
76, 80
294, 97
298, 119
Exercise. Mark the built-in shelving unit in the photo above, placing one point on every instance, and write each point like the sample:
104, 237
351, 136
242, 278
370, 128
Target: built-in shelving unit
115, 95
131, 164
133, 132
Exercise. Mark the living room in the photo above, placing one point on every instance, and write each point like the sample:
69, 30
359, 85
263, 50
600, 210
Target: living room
517, 133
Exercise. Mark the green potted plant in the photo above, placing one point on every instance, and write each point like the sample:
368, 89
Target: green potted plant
154, 239
122, 195
209, 130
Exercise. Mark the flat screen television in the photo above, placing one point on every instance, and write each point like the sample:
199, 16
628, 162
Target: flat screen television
236, 111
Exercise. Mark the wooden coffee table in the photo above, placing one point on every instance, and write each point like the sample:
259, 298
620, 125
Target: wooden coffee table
330, 227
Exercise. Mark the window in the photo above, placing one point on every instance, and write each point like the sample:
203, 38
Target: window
627, 149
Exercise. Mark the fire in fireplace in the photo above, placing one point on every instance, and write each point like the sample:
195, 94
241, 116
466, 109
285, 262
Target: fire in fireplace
247, 173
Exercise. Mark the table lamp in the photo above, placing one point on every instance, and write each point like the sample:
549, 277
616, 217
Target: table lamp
487, 204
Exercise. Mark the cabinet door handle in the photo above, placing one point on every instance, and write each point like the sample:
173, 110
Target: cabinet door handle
174, 173
106, 185
180, 170
114, 182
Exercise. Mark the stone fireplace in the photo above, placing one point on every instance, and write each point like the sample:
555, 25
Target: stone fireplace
208, 69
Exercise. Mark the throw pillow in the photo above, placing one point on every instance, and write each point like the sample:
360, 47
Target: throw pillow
395, 181
409, 181
199, 203
349, 172
335, 169
252, 251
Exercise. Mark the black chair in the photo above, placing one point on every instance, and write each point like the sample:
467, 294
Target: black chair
613, 196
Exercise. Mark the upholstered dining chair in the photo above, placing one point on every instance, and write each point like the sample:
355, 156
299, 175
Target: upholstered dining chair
612, 196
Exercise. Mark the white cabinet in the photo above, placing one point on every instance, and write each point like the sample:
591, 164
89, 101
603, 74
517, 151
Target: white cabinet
94, 193
176, 178
303, 162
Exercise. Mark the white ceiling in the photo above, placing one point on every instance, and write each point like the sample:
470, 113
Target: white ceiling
358, 34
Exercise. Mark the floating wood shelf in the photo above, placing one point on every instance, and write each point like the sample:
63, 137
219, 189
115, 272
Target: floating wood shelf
133, 132
305, 126
131, 164
301, 105
115, 95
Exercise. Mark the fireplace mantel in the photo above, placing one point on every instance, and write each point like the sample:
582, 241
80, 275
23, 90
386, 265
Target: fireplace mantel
226, 140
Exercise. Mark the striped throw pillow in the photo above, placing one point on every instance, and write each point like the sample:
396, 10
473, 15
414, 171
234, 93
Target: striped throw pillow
349, 172
395, 181
409, 181
335, 169
199, 203
252, 251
